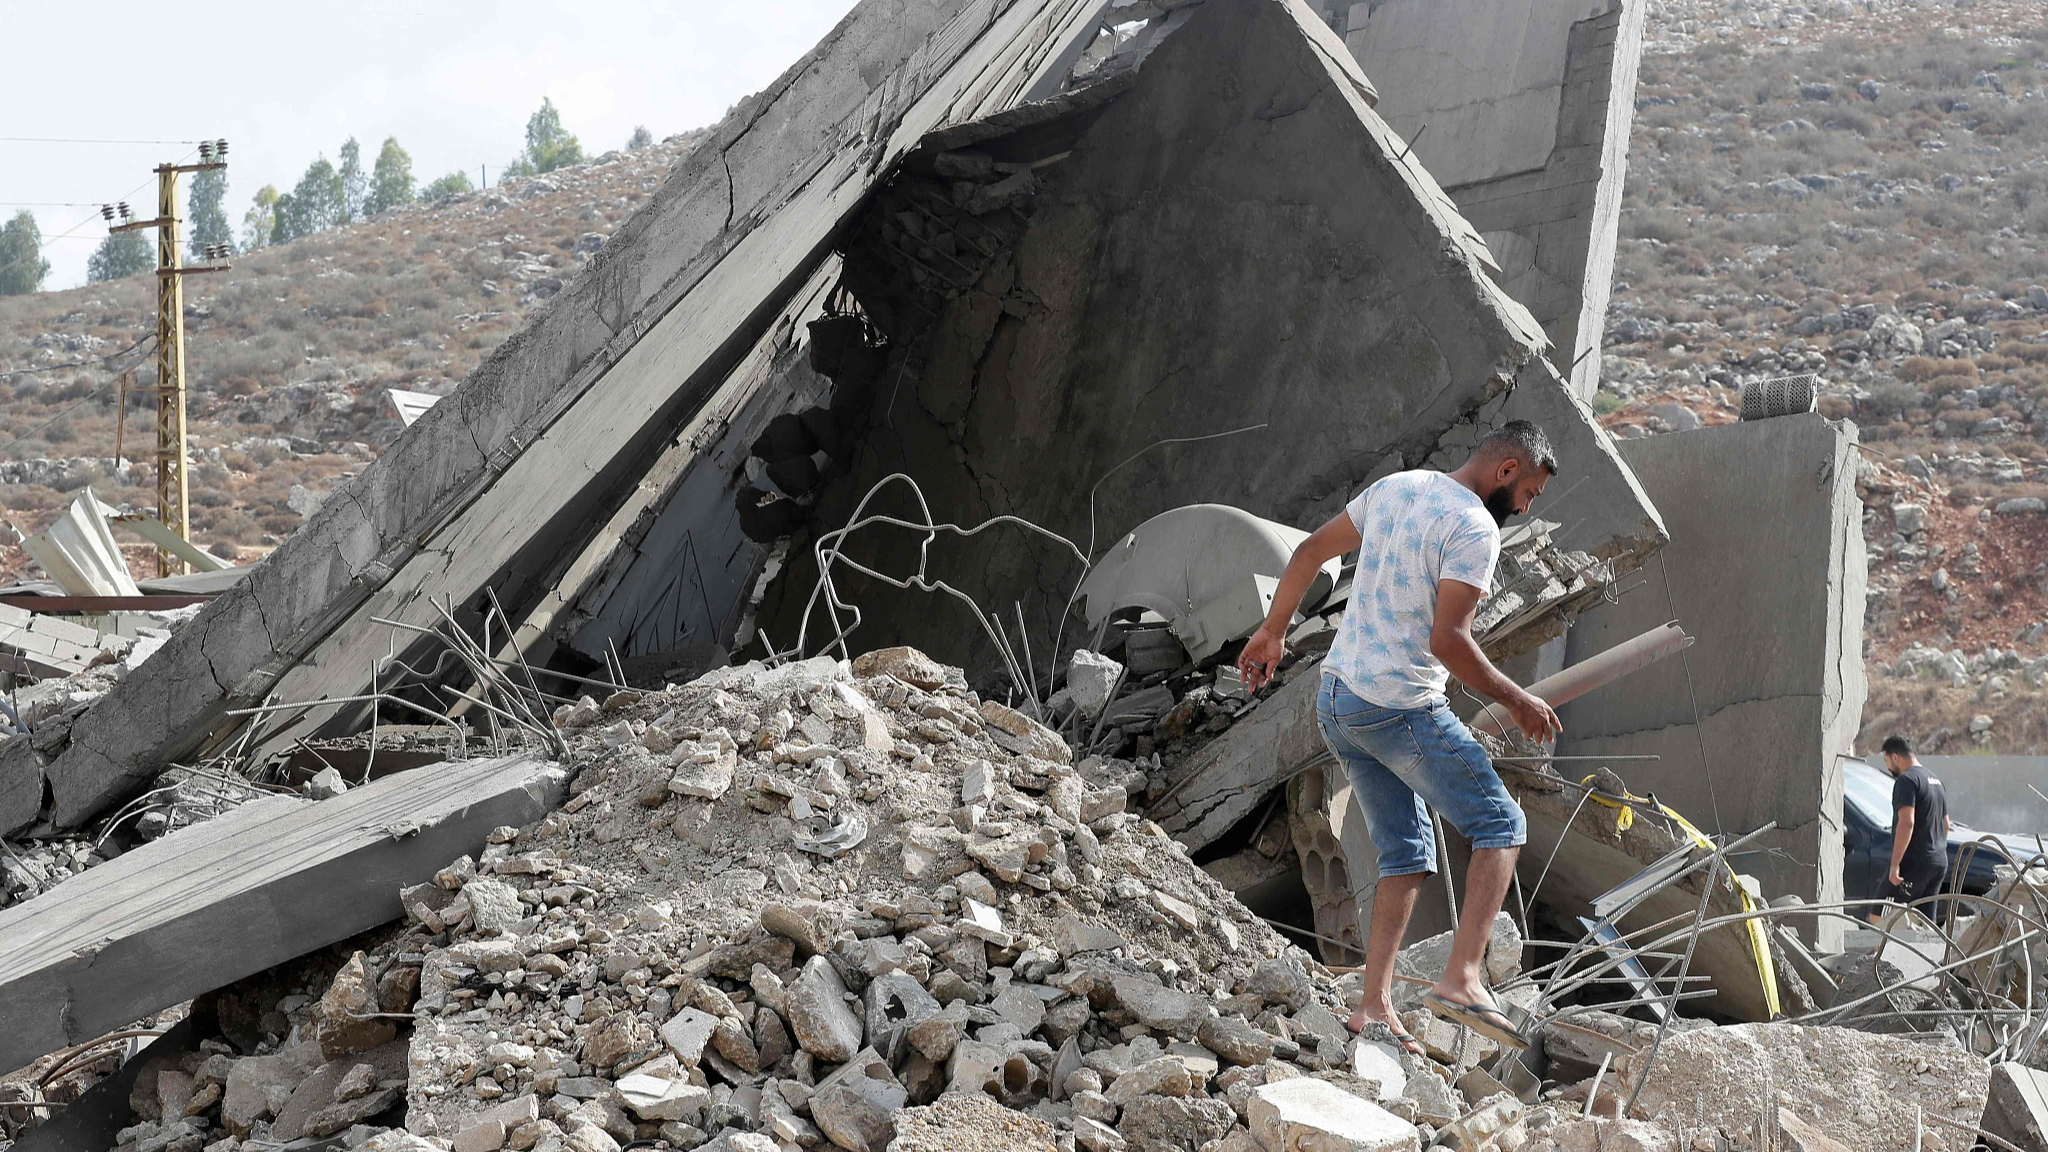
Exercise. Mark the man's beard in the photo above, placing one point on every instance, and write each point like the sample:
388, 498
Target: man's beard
1501, 503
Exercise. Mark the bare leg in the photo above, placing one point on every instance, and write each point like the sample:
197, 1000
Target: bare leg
1393, 902
1486, 887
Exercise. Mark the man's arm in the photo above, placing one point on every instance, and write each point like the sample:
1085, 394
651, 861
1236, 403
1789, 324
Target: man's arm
1450, 640
1902, 831
1262, 653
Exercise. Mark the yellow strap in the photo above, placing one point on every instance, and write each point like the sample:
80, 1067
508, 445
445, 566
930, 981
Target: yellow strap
1759, 944
1625, 816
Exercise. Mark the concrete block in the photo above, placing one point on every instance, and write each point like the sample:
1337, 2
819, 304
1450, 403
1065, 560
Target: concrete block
1765, 567
66, 630
2018, 1108
21, 782
1302, 1113
271, 880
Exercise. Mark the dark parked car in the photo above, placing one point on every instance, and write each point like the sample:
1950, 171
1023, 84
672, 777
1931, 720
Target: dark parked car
1867, 840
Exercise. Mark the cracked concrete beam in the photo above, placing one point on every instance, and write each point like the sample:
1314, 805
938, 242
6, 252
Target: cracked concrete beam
527, 459
212, 903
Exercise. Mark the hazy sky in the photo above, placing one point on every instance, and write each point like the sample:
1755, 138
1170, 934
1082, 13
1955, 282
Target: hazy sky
284, 83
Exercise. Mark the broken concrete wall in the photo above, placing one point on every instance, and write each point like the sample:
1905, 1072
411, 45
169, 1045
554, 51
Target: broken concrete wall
1766, 569
1205, 257
672, 570
1522, 110
500, 484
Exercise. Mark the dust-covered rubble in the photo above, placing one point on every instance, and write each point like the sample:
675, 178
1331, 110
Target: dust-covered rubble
855, 906
1000, 955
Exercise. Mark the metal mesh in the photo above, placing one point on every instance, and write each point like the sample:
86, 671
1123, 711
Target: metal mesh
1780, 396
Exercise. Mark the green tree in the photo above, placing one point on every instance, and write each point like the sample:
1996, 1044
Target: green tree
120, 254
391, 182
353, 183
548, 146
208, 209
452, 184
314, 204
22, 266
260, 220
641, 138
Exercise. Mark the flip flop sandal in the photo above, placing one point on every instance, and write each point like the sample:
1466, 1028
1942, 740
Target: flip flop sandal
1406, 1041
1488, 1021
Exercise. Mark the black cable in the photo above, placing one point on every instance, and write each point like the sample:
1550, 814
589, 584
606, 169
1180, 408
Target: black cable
19, 260
79, 363
78, 404
72, 140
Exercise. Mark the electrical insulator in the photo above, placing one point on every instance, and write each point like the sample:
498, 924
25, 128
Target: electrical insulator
107, 210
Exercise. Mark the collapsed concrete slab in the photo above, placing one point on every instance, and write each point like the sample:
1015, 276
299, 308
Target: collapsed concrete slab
1297, 269
210, 904
1862, 1089
1522, 110
501, 483
1766, 569
2017, 1108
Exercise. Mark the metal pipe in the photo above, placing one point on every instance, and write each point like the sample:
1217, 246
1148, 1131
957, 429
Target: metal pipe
1598, 671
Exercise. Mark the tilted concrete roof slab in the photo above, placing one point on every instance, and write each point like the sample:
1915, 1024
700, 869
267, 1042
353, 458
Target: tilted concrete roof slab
513, 470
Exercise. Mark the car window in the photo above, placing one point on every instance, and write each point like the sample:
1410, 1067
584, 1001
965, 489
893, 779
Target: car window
1870, 791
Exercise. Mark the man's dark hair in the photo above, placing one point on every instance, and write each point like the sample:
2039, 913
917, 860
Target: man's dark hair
1896, 746
1523, 441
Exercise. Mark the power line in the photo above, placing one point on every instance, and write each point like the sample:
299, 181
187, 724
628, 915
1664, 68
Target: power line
73, 140
19, 260
82, 401
80, 363
46, 204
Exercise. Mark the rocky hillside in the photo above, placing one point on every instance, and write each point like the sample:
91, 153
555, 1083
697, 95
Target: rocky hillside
1861, 191
292, 353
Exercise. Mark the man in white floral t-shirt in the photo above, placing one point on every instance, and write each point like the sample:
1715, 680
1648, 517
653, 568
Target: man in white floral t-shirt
1427, 546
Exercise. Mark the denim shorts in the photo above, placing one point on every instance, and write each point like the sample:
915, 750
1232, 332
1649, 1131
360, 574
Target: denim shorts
1401, 759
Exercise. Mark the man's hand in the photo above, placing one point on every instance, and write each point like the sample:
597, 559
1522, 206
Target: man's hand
1260, 659
1535, 718
1897, 880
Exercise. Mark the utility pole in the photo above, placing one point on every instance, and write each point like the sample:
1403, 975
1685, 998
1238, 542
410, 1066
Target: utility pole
173, 490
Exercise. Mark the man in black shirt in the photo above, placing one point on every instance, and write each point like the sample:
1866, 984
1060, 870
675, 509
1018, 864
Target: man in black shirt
1920, 826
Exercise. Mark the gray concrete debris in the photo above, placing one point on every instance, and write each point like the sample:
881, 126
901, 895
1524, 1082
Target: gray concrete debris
270, 881
657, 985
1855, 1087
1111, 324
1769, 575
2017, 1109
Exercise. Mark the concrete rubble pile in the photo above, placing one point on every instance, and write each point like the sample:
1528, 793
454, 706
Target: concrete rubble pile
813, 903
859, 907
814, 906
